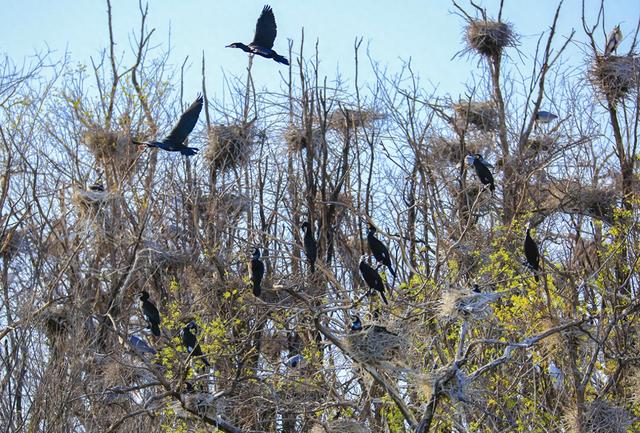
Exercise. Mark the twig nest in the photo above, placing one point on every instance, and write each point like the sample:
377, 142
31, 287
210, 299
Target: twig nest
202, 403
600, 416
298, 139
111, 147
158, 255
88, 201
341, 426
615, 76
574, 198
56, 323
481, 115
489, 38
542, 143
465, 304
348, 118
376, 345
229, 145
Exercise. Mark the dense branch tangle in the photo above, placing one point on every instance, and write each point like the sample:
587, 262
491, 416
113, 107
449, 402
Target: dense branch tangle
558, 354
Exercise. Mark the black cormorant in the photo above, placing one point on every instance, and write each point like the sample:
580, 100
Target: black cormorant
262, 44
613, 40
191, 342
532, 254
379, 250
257, 272
483, 172
372, 278
310, 246
174, 141
151, 313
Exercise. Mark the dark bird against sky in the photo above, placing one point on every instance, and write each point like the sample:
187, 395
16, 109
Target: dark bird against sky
174, 142
264, 37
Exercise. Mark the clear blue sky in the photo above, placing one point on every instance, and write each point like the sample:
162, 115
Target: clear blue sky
428, 32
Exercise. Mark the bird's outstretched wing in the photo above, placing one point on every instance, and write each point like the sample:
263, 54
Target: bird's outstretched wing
186, 123
265, 29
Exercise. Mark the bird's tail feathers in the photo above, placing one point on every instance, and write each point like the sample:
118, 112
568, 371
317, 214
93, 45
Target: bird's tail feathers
281, 59
155, 329
189, 151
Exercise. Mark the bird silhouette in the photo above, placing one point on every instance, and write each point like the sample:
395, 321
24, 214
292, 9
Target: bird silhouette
151, 313
191, 342
174, 141
372, 278
483, 172
545, 117
532, 254
613, 40
310, 246
264, 37
379, 250
257, 272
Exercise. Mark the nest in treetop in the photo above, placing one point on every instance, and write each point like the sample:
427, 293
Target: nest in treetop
297, 138
466, 304
89, 202
489, 38
481, 115
340, 426
599, 416
575, 198
616, 76
347, 118
202, 403
229, 145
110, 146
375, 346
542, 143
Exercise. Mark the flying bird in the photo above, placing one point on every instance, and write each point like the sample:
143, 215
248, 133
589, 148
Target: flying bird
191, 343
174, 141
613, 40
151, 313
532, 254
262, 44
310, 246
379, 250
372, 278
483, 172
257, 272
545, 117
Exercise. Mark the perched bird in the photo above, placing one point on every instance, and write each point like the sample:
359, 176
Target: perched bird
379, 250
151, 313
310, 246
257, 272
356, 326
372, 278
476, 289
531, 253
483, 172
191, 343
174, 141
294, 347
294, 360
613, 40
97, 186
262, 44
545, 117
140, 345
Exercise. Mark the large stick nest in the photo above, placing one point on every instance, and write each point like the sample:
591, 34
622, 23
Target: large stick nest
298, 139
600, 416
465, 304
489, 38
574, 198
481, 115
111, 147
229, 145
348, 118
616, 76
375, 345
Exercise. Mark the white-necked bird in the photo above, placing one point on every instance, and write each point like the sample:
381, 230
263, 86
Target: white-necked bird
613, 40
